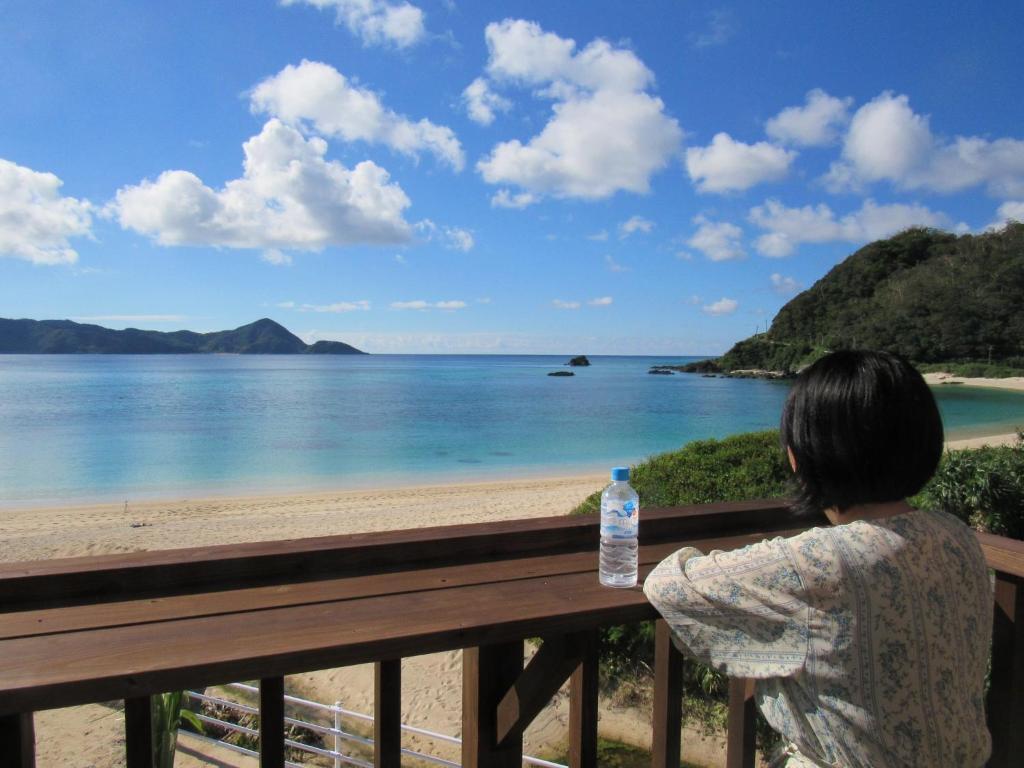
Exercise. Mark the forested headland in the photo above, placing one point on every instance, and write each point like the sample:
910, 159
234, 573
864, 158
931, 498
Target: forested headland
932, 296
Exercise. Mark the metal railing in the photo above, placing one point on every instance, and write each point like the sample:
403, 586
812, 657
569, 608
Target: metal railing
336, 733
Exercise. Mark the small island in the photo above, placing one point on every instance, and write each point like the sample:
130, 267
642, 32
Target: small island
579, 361
66, 337
561, 373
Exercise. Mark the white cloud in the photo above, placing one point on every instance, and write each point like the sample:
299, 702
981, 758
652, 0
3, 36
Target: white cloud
614, 266
560, 304
601, 301
453, 238
277, 257
400, 259
723, 306
289, 196
635, 224
1011, 210
727, 165
481, 102
720, 29
420, 304
787, 228
121, 319
337, 308
606, 134
36, 221
888, 141
459, 239
785, 286
376, 22
599, 237
815, 124
719, 241
503, 198
316, 96
484, 300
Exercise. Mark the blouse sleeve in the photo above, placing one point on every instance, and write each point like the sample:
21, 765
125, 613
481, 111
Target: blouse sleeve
743, 612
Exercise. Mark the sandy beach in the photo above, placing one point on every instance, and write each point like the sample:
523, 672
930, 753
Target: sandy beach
1013, 382
431, 684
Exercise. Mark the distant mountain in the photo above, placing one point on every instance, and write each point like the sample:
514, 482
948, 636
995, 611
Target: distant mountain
931, 296
264, 337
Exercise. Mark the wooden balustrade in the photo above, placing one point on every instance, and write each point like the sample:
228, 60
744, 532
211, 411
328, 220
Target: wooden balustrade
129, 626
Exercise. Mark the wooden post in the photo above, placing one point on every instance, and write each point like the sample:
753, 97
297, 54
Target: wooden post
666, 748
272, 722
583, 690
17, 741
387, 714
1005, 705
138, 732
487, 673
740, 738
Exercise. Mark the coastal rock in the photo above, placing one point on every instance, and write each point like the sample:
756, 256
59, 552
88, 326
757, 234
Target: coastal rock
701, 366
660, 372
561, 373
578, 361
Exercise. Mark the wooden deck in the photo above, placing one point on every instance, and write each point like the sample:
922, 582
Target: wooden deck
125, 627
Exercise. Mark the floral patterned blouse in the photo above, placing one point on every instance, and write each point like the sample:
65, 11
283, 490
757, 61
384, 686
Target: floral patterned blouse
869, 641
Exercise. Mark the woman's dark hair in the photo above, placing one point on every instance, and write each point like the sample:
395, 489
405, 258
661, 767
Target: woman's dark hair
863, 427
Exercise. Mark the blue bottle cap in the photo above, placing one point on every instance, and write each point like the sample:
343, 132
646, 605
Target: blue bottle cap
620, 473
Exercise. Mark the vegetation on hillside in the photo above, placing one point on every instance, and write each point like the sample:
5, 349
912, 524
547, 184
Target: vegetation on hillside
928, 295
68, 337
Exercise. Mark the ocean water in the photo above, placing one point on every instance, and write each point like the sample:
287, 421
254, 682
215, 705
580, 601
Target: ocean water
105, 427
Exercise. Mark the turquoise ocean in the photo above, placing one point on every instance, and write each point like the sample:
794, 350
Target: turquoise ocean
110, 427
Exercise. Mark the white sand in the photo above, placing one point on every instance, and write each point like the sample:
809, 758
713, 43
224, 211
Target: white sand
1013, 382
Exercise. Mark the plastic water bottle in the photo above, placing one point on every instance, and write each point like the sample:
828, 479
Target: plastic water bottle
620, 510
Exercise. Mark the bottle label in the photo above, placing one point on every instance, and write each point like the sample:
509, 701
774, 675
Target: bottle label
619, 522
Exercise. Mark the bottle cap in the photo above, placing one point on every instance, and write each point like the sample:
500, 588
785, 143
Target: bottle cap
620, 473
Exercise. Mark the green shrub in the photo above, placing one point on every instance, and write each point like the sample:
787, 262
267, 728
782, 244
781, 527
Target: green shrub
746, 466
984, 487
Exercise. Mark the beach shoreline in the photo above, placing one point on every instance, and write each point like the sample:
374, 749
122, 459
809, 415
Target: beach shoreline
940, 378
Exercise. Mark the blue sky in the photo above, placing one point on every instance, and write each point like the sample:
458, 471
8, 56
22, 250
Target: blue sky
431, 176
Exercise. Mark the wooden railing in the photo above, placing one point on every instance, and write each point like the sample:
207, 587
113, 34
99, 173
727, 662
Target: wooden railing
93, 629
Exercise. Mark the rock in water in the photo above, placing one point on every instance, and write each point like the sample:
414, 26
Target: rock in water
561, 373
577, 361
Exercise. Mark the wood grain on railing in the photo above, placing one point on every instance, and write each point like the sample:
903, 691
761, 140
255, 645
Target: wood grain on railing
138, 732
387, 714
127, 626
583, 693
666, 740
272, 722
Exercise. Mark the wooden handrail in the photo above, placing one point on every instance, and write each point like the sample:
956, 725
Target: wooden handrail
126, 626
108, 578
1003, 555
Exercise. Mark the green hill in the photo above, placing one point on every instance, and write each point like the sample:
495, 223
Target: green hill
931, 296
68, 337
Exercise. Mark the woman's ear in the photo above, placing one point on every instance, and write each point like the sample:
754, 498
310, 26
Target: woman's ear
792, 458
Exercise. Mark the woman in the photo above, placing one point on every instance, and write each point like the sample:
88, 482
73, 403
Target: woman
869, 638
